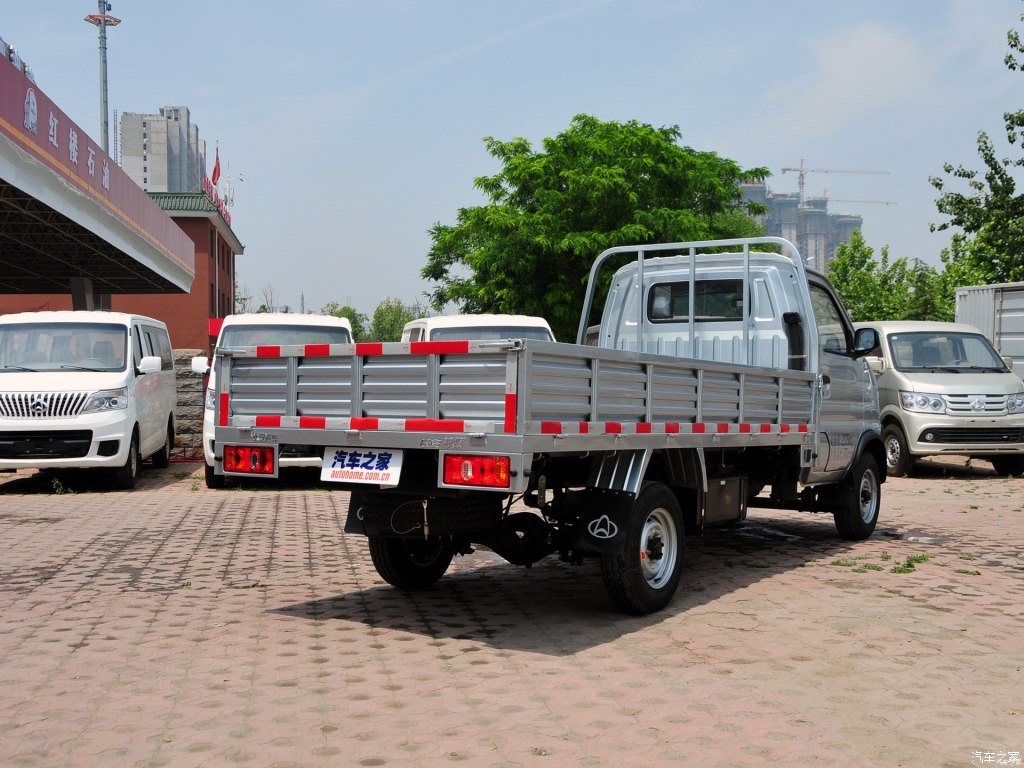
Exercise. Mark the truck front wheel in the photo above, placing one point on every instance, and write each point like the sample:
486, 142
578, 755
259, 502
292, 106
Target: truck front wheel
410, 563
644, 576
858, 500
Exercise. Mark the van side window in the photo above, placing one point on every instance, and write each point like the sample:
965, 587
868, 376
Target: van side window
160, 345
416, 334
137, 353
829, 318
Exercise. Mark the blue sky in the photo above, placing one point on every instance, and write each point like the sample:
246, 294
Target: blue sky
357, 126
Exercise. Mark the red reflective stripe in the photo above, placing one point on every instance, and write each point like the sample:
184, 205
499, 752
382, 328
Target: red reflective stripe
312, 422
268, 421
364, 422
783, 427
584, 428
613, 428
672, 428
643, 428
510, 413
318, 350
744, 428
551, 427
369, 348
698, 428
268, 350
766, 427
435, 425
803, 427
224, 402
722, 427
439, 347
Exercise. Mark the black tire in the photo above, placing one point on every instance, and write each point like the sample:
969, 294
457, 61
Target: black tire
213, 480
898, 461
124, 477
1008, 466
162, 458
410, 563
858, 500
645, 575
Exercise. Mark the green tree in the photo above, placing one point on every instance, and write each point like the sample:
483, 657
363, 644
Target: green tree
990, 212
877, 289
549, 213
357, 319
390, 317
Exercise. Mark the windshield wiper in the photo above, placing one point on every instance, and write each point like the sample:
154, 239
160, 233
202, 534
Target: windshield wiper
985, 368
20, 368
70, 367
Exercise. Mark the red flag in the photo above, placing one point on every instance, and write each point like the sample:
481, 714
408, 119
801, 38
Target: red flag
216, 168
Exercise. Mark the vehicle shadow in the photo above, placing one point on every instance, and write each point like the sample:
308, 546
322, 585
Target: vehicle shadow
64, 481
558, 609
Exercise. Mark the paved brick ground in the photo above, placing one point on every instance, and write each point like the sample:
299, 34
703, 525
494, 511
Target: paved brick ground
177, 626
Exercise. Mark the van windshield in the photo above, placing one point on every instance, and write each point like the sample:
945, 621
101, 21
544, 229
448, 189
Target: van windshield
930, 350
490, 333
257, 335
68, 346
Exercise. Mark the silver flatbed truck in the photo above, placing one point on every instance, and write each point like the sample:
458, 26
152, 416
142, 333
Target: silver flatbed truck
725, 376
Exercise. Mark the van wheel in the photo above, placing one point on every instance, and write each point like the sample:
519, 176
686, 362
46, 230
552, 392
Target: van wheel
124, 477
644, 576
898, 460
213, 480
410, 563
162, 458
858, 500
1008, 466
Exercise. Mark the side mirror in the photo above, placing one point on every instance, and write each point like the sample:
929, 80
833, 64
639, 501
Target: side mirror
150, 364
865, 340
201, 365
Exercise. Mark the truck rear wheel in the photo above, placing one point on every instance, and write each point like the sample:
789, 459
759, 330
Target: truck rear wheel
858, 500
1008, 465
410, 563
644, 576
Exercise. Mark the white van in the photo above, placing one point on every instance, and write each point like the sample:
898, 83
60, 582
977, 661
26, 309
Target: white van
274, 328
943, 389
477, 327
85, 389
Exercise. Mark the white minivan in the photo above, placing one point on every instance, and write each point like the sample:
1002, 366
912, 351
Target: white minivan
477, 327
86, 389
274, 328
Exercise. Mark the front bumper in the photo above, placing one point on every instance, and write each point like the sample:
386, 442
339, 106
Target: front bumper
930, 434
92, 440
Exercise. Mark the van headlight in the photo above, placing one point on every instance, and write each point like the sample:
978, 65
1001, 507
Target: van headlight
1015, 403
922, 402
210, 402
107, 400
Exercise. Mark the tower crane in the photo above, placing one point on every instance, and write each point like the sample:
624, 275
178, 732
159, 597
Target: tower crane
802, 171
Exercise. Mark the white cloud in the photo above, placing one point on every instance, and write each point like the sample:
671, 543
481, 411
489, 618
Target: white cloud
850, 76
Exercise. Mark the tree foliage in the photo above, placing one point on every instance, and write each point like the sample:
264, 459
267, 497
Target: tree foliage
990, 211
877, 289
549, 213
390, 317
356, 319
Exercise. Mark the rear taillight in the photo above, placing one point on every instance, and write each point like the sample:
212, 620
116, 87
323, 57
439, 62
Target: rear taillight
486, 471
249, 459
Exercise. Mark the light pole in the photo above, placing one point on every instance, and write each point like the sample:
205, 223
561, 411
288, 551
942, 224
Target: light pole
102, 20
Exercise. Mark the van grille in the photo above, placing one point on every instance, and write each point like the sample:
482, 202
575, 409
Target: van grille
976, 405
66, 444
41, 405
992, 435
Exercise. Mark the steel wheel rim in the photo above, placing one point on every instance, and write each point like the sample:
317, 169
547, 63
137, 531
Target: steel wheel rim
868, 496
659, 548
892, 451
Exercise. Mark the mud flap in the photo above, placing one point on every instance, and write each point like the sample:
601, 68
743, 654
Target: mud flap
604, 522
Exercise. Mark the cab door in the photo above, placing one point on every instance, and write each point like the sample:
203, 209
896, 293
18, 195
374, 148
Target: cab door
846, 386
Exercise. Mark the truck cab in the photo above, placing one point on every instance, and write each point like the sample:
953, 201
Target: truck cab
478, 327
